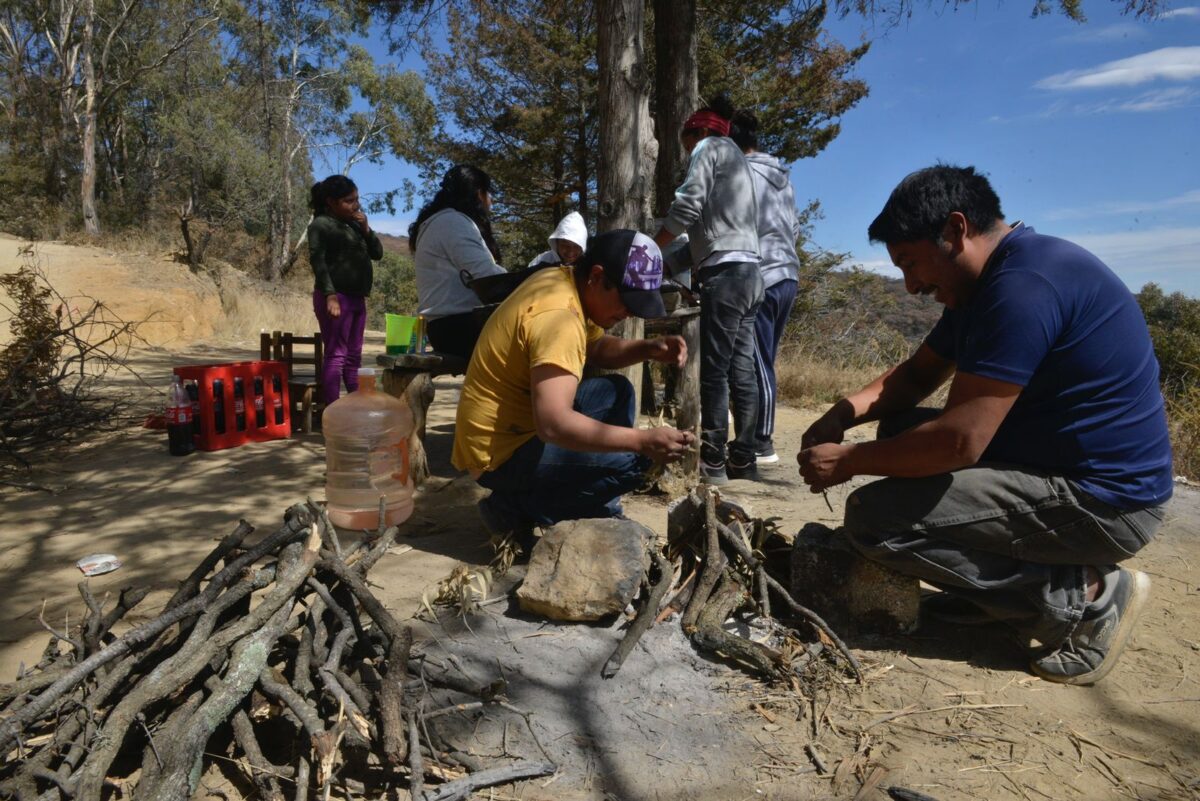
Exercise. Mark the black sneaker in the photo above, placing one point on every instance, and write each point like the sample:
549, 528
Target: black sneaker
713, 473
500, 524
1091, 650
748, 471
766, 455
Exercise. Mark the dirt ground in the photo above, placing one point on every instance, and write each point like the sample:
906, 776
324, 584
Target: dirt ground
950, 712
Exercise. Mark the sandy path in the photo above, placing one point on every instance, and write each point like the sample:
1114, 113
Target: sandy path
673, 725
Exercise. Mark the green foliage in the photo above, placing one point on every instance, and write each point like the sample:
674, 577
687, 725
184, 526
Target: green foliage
774, 58
30, 359
1174, 322
395, 289
517, 91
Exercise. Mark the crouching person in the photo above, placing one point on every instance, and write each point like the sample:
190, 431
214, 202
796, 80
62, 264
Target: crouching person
549, 444
1050, 462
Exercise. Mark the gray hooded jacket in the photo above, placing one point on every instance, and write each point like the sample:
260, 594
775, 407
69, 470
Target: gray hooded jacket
715, 203
778, 226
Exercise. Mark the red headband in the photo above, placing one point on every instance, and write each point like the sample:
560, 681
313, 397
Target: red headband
708, 119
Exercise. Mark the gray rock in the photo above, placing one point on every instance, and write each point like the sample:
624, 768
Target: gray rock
586, 569
849, 590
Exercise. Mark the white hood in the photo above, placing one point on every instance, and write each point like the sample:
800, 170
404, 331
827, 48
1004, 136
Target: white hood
571, 228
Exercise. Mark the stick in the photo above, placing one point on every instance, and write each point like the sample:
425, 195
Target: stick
710, 635
714, 561
462, 788
416, 765
644, 619
740, 548
811, 750
391, 699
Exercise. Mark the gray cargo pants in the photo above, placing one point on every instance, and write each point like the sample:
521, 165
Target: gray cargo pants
1011, 540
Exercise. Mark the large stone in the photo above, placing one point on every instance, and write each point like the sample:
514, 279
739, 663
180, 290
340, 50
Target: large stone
849, 590
586, 569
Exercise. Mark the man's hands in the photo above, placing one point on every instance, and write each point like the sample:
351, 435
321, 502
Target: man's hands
668, 350
829, 427
665, 444
822, 460
333, 306
824, 466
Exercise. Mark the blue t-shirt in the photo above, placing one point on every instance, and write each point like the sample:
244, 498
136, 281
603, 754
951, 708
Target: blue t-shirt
1051, 317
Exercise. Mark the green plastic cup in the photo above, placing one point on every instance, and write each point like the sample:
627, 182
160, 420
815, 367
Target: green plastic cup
399, 333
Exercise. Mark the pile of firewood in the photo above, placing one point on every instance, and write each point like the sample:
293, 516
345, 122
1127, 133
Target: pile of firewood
280, 668
730, 575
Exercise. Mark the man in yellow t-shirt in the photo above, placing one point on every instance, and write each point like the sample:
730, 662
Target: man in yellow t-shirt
550, 444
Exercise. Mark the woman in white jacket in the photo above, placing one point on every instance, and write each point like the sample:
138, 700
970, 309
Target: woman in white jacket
451, 235
567, 243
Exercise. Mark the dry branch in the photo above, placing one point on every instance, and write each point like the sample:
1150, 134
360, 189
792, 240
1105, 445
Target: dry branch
283, 630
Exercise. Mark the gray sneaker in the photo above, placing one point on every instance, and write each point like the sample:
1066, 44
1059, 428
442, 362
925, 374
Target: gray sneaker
1095, 645
713, 474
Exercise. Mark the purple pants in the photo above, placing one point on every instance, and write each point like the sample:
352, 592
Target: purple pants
342, 337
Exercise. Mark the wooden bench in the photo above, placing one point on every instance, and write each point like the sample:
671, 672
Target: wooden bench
409, 376
303, 390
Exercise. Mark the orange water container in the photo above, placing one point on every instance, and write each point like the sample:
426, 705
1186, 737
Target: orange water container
366, 457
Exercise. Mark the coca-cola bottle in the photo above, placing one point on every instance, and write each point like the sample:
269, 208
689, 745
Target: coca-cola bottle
218, 389
179, 420
260, 406
239, 404
277, 385
193, 393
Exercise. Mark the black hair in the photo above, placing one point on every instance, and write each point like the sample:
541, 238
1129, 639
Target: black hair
743, 130
582, 267
919, 206
332, 188
460, 189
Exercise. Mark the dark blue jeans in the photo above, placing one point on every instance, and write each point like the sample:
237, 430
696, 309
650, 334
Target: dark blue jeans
729, 299
769, 324
544, 483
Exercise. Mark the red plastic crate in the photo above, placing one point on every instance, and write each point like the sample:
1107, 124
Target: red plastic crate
205, 375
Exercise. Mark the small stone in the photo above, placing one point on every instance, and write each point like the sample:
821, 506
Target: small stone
586, 569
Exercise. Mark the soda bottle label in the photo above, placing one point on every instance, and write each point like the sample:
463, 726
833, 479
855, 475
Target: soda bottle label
258, 403
401, 457
239, 404
179, 415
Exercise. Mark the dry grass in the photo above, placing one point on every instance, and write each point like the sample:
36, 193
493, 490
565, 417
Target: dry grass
807, 381
251, 306
1183, 413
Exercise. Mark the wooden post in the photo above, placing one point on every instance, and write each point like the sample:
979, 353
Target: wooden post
416, 390
687, 418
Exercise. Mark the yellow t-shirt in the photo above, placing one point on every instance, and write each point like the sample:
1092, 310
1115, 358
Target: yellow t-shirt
542, 322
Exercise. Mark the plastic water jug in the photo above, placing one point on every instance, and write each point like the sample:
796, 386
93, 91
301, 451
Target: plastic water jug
366, 457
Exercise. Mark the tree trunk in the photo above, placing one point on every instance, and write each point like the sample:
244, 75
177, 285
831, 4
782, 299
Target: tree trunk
676, 93
627, 146
87, 179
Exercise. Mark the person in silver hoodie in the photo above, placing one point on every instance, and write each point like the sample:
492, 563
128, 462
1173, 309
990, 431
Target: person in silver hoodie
778, 229
715, 205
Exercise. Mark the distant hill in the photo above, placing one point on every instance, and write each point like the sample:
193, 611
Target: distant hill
397, 245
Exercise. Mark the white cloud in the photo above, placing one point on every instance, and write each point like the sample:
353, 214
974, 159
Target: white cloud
1168, 64
1170, 257
1154, 100
1087, 34
1191, 11
1127, 208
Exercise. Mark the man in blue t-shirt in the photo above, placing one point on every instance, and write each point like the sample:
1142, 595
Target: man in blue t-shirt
1050, 462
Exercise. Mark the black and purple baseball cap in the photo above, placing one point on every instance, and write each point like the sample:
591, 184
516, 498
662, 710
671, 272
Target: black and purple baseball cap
634, 265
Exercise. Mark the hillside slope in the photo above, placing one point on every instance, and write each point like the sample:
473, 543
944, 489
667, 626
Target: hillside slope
175, 307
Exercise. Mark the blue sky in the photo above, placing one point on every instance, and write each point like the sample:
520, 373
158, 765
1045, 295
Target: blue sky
1088, 131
